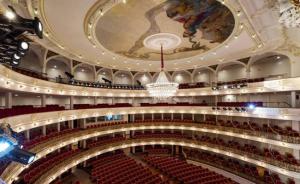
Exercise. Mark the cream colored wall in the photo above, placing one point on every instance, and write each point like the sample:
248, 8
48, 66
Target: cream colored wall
231, 73
182, 77
203, 76
31, 61
55, 68
143, 78
270, 68
123, 78
84, 74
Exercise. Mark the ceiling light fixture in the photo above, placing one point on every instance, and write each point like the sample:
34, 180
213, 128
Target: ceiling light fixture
162, 88
289, 13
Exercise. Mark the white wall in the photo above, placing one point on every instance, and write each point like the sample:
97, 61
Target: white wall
104, 73
231, 73
84, 74
269, 68
31, 61
144, 78
203, 76
55, 68
182, 77
123, 78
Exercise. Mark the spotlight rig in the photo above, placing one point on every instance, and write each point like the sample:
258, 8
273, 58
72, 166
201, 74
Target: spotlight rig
9, 147
12, 26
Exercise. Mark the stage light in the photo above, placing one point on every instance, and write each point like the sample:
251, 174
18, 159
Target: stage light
6, 145
22, 156
251, 106
10, 15
22, 45
225, 87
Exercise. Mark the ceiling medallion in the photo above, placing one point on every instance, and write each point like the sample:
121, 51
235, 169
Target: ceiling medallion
290, 13
162, 88
168, 40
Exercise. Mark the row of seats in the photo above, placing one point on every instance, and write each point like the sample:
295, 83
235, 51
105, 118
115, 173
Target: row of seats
239, 104
30, 73
184, 172
120, 168
28, 109
89, 106
193, 85
104, 140
245, 170
28, 144
274, 129
242, 81
41, 166
250, 149
177, 104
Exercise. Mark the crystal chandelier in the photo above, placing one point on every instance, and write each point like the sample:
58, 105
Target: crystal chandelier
290, 13
162, 88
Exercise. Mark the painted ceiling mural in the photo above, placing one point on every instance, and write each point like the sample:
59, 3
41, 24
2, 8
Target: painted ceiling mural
201, 25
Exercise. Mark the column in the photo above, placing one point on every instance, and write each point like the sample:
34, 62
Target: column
44, 130
95, 100
181, 116
162, 116
58, 127
293, 99
193, 117
152, 116
8, 100
43, 100
71, 124
296, 127
84, 144
172, 116
84, 123
295, 124
27, 134
143, 117
204, 117
71, 102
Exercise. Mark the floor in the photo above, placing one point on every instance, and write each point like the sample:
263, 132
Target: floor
78, 175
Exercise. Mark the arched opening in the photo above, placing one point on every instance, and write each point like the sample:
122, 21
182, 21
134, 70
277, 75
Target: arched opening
231, 72
104, 73
57, 67
182, 77
143, 78
270, 67
203, 75
123, 77
84, 73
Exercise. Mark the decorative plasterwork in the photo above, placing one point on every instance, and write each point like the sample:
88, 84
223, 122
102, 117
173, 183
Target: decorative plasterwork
36, 8
13, 81
29, 121
48, 147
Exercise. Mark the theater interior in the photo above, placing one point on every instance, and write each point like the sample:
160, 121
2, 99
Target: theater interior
149, 92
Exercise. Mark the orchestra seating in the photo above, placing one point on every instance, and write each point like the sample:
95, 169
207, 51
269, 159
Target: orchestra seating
242, 169
41, 166
184, 172
119, 168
